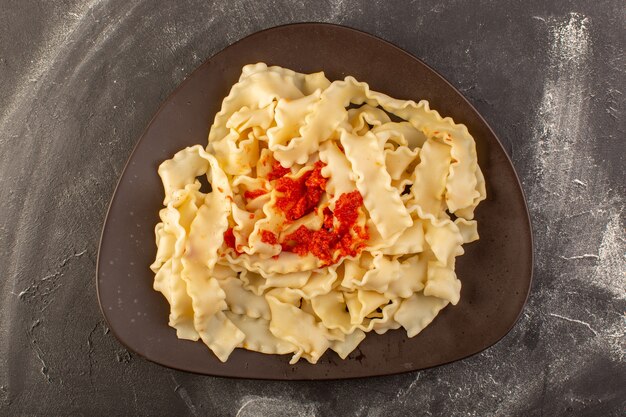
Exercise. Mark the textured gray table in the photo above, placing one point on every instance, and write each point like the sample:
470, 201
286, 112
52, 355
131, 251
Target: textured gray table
79, 81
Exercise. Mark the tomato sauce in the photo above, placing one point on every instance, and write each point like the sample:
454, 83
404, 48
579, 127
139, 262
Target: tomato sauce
331, 243
278, 171
269, 237
252, 194
339, 235
229, 239
299, 196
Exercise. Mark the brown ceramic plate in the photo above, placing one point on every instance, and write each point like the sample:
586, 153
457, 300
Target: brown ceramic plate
495, 271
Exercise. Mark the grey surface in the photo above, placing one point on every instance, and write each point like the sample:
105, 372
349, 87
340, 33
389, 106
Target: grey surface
79, 81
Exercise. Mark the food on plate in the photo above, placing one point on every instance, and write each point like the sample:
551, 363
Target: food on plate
333, 211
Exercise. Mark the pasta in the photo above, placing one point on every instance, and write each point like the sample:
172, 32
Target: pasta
325, 219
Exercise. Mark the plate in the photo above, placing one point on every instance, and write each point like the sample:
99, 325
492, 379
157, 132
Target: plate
495, 271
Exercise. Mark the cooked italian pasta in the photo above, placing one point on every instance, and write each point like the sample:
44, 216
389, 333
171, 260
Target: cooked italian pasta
325, 219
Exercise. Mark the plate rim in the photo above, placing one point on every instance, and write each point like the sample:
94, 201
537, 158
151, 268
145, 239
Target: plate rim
527, 218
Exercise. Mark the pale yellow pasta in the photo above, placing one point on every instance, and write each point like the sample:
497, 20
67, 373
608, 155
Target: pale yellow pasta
360, 303
411, 240
327, 217
442, 283
397, 161
258, 336
241, 301
168, 276
331, 309
431, 174
299, 328
417, 312
374, 183
413, 278
338, 171
346, 346
382, 273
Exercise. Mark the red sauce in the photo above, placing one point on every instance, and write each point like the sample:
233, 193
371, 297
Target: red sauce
339, 235
304, 241
328, 219
252, 194
299, 196
278, 171
229, 239
329, 244
346, 210
269, 237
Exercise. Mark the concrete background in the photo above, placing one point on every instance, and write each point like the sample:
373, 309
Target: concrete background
79, 81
